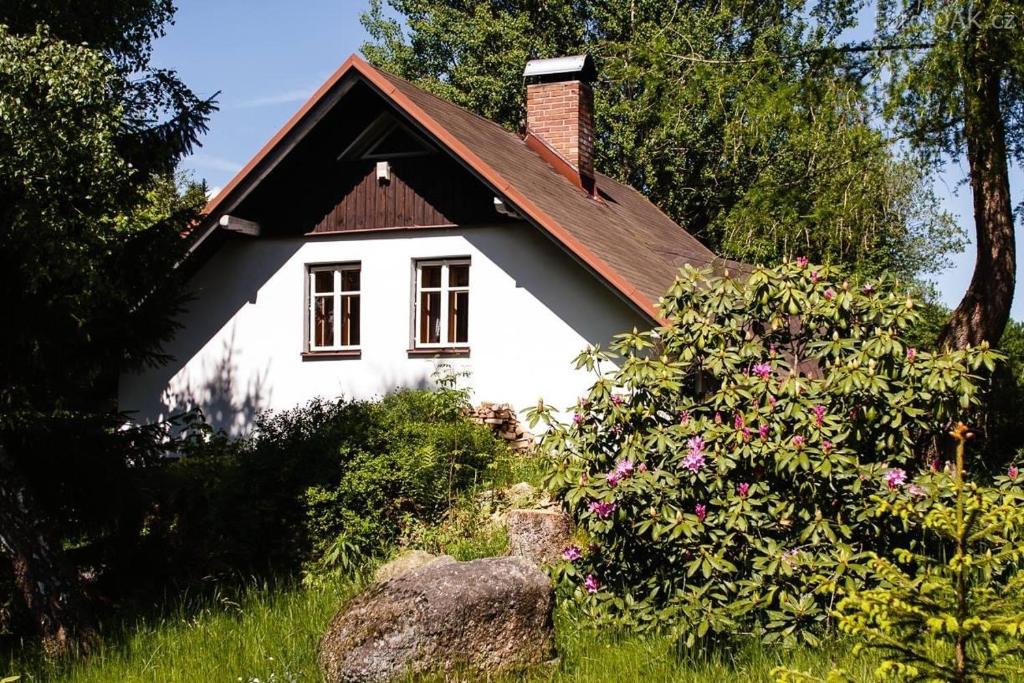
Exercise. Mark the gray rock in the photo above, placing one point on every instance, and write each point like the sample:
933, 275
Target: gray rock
538, 535
410, 559
488, 615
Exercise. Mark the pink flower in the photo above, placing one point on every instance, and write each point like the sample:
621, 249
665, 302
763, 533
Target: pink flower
814, 276
642, 467
684, 417
772, 349
802, 261
743, 489
771, 401
763, 430
737, 421
826, 446
612, 478
830, 294
617, 400
701, 510
762, 370
916, 491
819, 415
624, 469
577, 418
745, 433
799, 441
1012, 472
694, 461
911, 354
895, 478
718, 418
591, 584
601, 509
572, 553
935, 465
868, 288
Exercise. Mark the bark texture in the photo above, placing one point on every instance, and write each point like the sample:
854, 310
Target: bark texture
44, 584
985, 309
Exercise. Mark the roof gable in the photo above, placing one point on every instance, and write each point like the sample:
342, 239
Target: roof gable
621, 237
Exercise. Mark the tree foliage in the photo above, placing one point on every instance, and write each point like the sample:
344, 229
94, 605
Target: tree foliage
90, 228
721, 469
950, 79
728, 116
947, 609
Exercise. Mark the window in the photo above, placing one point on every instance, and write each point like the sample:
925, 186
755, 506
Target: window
334, 307
442, 303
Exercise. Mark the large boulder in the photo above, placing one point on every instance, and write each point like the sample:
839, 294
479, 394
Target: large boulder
487, 615
538, 535
407, 561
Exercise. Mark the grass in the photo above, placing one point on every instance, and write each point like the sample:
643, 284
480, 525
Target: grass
268, 634
258, 633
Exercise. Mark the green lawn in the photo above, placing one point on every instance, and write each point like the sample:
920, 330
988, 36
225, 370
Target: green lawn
265, 635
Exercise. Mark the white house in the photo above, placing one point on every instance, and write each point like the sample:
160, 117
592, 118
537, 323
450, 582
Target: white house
383, 229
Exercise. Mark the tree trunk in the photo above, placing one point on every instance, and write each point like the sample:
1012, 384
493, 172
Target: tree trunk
985, 309
43, 582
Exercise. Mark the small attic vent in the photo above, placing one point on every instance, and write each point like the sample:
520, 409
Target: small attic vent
384, 139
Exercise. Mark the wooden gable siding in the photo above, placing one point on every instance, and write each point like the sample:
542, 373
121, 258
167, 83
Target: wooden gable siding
423, 191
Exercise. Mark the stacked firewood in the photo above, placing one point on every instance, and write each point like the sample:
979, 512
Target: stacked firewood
502, 419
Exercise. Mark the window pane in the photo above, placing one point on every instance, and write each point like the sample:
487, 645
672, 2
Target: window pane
458, 276
430, 276
350, 320
458, 317
324, 281
430, 317
350, 280
323, 321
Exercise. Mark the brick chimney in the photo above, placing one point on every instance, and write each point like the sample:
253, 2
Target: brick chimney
560, 115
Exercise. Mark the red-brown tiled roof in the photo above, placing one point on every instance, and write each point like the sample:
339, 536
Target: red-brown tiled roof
621, 236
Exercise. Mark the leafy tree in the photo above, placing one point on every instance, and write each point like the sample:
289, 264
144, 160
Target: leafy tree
161, 118
703, 108
947, 610
951, 76
720, 469
90, 226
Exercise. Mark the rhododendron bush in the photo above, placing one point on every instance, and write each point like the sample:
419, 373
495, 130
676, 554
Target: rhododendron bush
720, 468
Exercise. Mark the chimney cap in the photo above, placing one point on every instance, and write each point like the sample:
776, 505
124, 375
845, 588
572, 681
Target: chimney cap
574, 68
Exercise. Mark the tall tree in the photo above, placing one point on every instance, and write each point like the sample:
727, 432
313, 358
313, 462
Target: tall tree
88, 136
704, 108
951, 73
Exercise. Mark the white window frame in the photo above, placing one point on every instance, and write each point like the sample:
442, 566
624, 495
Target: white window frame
336, 295
445, 289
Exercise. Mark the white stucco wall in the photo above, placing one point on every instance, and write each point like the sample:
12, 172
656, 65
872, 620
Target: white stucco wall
532, 309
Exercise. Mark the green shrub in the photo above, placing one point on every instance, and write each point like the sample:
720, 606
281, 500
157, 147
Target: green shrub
323, 484
952, 609
417, 454
722, 465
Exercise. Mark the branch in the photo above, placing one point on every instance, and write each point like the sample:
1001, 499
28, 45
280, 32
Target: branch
852, 48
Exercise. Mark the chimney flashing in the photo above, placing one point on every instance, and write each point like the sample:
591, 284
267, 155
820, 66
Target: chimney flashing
574, 68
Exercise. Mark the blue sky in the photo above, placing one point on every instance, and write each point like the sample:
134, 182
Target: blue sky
266, 58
